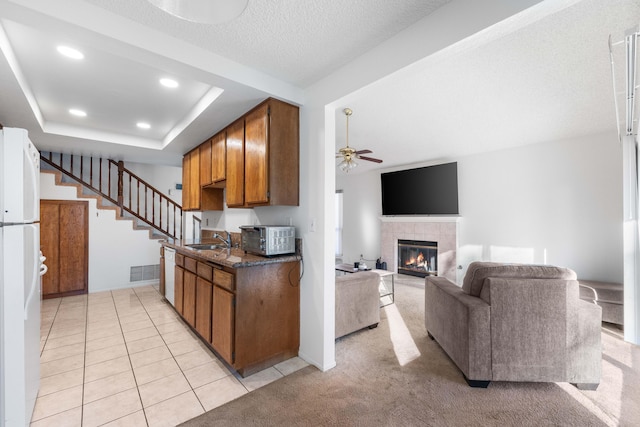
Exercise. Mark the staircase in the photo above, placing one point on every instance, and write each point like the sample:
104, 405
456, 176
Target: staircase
115, 187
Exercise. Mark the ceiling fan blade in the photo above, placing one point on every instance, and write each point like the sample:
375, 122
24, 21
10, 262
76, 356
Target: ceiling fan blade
370, 159
364, 152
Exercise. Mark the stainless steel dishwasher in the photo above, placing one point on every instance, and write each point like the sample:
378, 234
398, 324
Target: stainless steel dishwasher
170, 274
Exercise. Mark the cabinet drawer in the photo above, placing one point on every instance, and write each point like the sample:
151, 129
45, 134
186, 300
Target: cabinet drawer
205, 271
179, 260
191, 264
224, 279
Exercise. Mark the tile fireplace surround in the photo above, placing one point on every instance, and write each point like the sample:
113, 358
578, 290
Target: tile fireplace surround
443, 230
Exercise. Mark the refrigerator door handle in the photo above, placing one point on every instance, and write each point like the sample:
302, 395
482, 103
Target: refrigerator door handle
32, 162
34, 286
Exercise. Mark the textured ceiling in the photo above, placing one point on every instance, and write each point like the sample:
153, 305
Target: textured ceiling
298, 41
540, 75
548, 81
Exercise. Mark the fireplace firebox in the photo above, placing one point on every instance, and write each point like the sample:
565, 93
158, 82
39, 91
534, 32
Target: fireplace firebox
418, 258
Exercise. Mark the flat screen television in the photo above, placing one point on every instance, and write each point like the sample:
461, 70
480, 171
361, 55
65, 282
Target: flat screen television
430, 190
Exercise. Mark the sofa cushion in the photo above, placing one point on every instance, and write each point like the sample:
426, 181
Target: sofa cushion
479, 271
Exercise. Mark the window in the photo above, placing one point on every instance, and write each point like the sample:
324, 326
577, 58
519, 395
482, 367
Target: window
338, 222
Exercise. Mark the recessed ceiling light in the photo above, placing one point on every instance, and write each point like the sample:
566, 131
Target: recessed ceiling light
143, 125
77, 113
70, 52
168, 83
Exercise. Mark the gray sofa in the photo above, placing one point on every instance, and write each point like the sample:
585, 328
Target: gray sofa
357, 302
513, 322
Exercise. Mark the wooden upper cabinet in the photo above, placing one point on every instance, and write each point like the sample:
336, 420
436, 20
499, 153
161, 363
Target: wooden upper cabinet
257, 159
205, 163
194, 196
219, 157
256, 138
194, 179
235, 164
272, 154
186, 187
191, 180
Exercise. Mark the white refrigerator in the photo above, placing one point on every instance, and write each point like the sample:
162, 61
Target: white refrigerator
20, 266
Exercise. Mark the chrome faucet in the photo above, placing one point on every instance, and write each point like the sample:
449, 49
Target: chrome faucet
226, 241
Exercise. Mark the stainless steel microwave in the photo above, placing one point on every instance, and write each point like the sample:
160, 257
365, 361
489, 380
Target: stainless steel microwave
268, 240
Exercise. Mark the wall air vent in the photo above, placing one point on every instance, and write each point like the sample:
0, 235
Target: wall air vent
144, 272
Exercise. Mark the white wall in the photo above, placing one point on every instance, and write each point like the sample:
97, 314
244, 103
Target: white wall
163, 178
558, 203
361, 210
114, 247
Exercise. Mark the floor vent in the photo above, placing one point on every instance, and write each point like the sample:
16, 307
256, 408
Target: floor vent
144, 272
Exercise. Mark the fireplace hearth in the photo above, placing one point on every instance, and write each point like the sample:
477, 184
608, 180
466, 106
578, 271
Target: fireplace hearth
418, 258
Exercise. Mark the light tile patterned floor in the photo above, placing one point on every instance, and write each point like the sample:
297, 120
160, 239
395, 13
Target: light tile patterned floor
124, 358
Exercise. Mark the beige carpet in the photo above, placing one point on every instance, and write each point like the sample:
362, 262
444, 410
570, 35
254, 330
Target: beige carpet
396, 376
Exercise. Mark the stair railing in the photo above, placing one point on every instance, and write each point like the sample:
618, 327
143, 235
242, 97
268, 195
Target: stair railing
120, 186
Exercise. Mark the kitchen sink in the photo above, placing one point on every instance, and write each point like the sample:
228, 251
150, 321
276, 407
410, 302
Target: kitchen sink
206, 246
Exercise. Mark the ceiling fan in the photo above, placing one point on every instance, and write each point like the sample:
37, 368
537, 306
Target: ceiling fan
348, 154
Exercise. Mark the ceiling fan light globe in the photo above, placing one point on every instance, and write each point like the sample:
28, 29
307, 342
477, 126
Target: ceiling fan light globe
203, 11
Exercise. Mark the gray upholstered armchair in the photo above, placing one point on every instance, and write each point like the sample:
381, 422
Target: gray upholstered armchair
513, 322
357, 302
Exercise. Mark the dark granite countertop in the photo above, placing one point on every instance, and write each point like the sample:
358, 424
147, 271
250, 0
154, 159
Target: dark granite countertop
234, 257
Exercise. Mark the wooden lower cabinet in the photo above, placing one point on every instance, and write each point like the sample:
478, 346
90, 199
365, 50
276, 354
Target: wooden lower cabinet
179, 290
267, 315
189, 298
224, 321
250, 316
64, 240
204, 295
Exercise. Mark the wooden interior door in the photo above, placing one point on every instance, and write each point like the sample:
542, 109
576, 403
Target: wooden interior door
49, 238
64, 237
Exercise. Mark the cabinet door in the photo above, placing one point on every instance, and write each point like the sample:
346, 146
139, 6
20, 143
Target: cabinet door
235, 164
194, 179
223, 323
256, 156
205, 163
186, 185
219, 157
189, 298
204, 293
179, 290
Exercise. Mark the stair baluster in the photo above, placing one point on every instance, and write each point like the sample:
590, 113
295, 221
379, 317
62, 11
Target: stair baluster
65, 164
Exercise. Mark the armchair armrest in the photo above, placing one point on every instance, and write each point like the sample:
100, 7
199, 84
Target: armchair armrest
585, 348
461, 325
